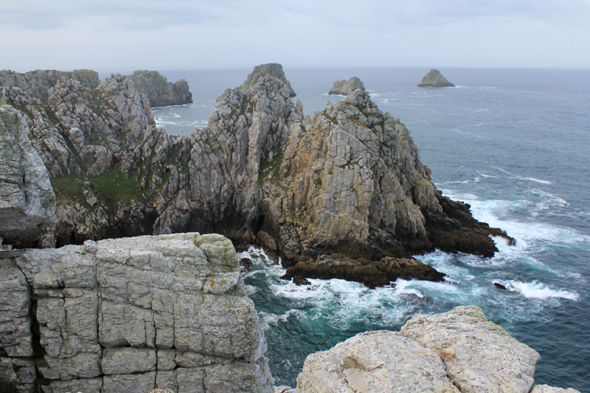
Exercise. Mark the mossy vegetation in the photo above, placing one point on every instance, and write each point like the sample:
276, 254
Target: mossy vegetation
109, 187
273, 166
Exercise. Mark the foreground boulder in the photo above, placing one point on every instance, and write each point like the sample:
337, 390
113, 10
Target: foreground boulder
345, 87
435, 79
26, 195
458, 351
130, 315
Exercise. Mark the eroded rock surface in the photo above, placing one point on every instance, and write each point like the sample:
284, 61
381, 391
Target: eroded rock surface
343, 194
27, 199
129, 315
458, 351
264, 71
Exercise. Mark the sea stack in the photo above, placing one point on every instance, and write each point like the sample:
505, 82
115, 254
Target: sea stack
345, 87
270, 70
435, 79
160, 92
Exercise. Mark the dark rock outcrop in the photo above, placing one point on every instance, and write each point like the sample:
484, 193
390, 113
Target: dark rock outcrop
347, 183
345, 87
159, 91
264, 71
435, 79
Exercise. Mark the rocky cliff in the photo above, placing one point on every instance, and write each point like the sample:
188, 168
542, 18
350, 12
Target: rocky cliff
345, 87
435, 79
342, 194
265, 71
159, 91
129, 315
27, 199
458, 351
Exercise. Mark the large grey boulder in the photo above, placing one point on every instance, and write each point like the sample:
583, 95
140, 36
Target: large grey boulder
379, 361
26, 195
457, 351
133, 314
478, 354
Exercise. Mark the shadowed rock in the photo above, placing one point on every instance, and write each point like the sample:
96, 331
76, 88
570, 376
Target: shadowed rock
159, 91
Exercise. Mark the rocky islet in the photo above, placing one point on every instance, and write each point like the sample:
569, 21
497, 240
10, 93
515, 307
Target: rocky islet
434, 79
345, 87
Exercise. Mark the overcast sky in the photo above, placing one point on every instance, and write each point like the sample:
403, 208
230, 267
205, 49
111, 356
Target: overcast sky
184, 34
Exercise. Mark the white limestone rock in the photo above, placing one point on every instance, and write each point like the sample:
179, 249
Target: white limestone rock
478, 354
375, 362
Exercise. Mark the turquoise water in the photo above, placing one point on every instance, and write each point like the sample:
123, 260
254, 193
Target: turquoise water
515, 145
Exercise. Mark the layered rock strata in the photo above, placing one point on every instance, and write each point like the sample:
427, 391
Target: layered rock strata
159, 91
345, 87
130, 315
435, 79
342, 194
458, 351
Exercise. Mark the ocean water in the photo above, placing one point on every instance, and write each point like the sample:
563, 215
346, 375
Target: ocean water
513, 143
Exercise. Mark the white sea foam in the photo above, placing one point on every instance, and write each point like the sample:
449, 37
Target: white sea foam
268, 319
538, 290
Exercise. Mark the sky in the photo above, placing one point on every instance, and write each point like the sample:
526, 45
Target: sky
193, 34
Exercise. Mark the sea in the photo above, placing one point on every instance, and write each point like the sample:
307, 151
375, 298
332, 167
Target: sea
515, 145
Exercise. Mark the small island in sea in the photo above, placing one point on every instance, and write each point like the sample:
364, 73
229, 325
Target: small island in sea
344, 87
435, 79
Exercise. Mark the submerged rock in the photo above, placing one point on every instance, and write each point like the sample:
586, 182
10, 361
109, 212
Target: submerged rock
129, 315
159, 91
435, 79
270, 70
456, 351
345, 87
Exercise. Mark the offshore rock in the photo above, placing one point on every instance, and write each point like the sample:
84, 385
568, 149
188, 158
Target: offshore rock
130, 315
26, 195
351, 182
451, 352
345, 87
270, 70
435, 79
159, 91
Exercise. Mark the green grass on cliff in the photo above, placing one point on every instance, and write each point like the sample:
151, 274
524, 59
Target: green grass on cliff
111, 186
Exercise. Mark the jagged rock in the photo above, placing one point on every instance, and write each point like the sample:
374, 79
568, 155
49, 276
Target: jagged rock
345, 87
26, 195
159, 91
451, 352
435, 79
379, 361
263, 71
133, 314
349, 181
478, 354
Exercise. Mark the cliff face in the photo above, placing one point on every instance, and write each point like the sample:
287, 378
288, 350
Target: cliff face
26, 197
159, 91
345, 87
341, 195
458, 351
435, 79
130, 315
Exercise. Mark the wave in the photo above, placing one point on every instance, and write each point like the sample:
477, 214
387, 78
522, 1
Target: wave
538, 290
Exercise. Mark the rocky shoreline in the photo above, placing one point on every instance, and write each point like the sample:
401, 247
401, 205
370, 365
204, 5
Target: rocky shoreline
347, 182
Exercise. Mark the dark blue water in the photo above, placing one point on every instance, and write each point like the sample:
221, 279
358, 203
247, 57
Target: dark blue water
515, 144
